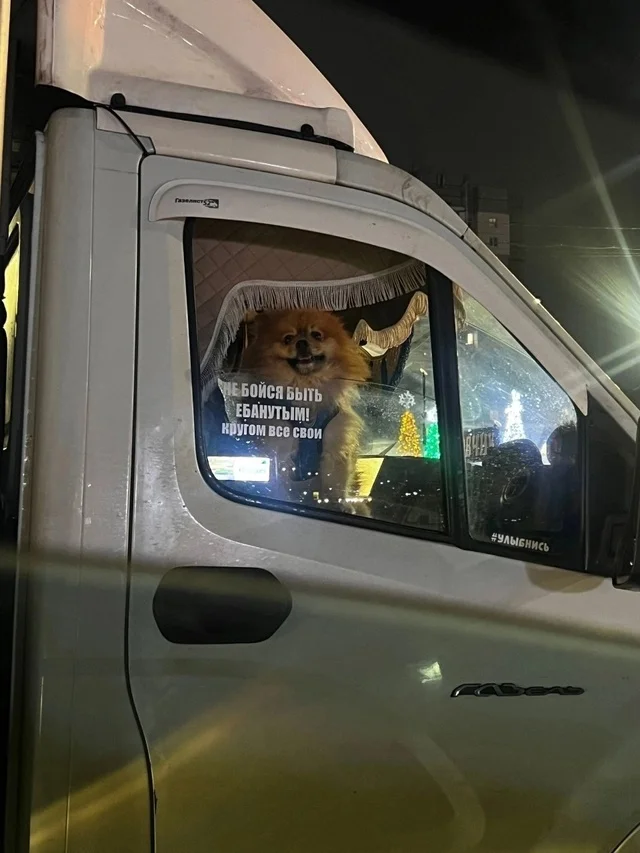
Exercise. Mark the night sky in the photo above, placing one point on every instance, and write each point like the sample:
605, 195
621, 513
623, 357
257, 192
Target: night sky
540, 99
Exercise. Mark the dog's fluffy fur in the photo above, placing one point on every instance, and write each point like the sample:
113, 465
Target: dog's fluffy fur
311, 349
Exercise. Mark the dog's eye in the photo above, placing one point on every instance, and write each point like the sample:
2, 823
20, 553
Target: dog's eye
287, 339
317, 335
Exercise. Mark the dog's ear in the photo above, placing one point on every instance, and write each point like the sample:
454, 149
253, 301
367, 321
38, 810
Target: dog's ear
250, 317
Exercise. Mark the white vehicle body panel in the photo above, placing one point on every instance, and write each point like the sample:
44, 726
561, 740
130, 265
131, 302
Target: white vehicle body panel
222, 58
368, 672
339, 732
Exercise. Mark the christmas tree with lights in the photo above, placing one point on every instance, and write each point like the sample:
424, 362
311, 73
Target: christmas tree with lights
513, 426
409, 438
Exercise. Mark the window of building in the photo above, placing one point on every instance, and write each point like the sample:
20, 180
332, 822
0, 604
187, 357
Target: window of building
316, 389
520, 433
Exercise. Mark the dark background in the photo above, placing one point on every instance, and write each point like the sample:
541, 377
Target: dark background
541, 99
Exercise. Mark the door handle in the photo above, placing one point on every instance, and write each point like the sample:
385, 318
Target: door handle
220, 605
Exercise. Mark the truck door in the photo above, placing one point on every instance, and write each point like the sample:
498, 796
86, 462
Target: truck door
324, 665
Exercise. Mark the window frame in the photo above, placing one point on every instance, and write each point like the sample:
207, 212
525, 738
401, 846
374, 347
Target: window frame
443, 341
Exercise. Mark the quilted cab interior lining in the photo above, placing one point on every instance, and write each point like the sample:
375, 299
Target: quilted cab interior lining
226, 253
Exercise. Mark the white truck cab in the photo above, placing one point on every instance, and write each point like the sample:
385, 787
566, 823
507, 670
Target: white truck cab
213, 645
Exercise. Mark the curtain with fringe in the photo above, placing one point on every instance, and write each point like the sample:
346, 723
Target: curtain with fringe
337, 295
377, 342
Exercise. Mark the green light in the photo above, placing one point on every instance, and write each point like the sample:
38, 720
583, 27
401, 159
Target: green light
432, 441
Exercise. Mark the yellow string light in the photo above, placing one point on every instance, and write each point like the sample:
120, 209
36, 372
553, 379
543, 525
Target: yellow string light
409, 438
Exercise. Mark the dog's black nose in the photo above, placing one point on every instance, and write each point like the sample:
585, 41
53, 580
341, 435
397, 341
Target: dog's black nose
302, 347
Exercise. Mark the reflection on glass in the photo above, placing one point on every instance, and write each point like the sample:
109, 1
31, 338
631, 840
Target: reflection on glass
520, 442
261, 441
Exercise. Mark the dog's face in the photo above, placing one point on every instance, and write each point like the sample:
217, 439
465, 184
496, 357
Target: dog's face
305, 344
307, 341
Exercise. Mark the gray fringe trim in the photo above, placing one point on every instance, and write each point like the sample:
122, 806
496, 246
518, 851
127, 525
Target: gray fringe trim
337, 295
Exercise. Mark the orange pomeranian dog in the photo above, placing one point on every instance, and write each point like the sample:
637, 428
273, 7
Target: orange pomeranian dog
310, 349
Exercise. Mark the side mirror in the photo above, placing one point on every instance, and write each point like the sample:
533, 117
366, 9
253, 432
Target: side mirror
627, 565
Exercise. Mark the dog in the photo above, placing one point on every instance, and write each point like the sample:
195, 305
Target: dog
308, 349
